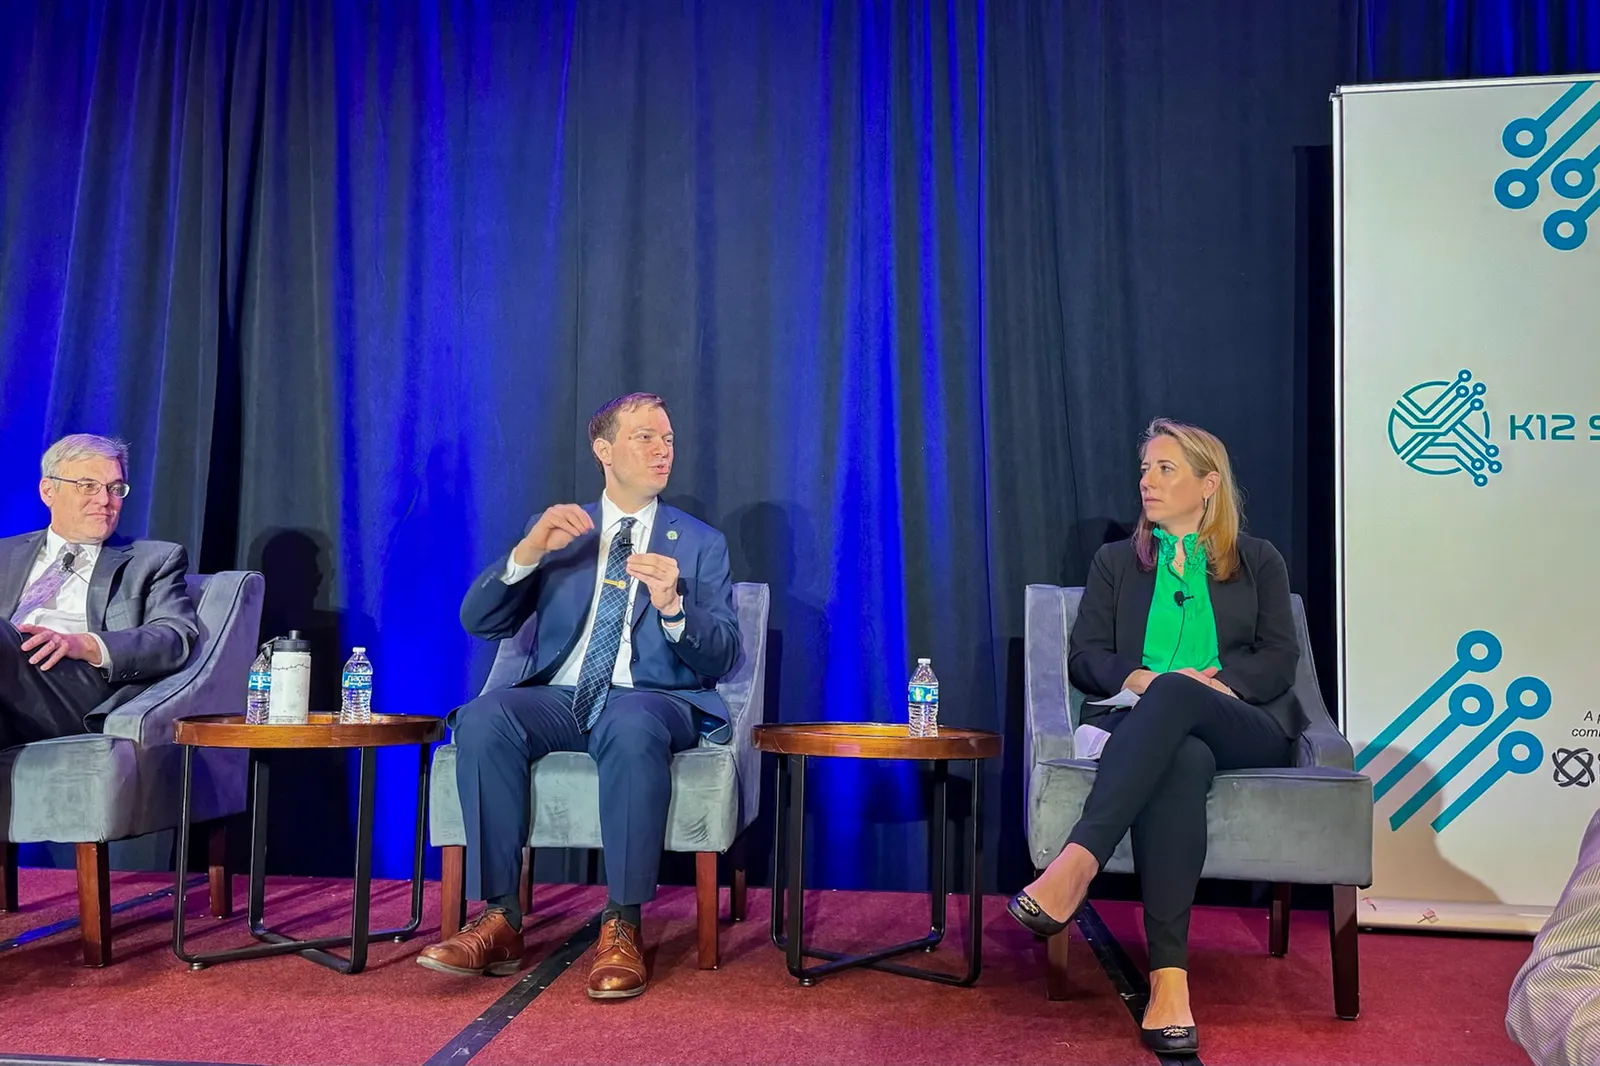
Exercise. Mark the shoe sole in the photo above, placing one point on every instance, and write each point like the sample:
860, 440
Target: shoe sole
624, 993
499, 969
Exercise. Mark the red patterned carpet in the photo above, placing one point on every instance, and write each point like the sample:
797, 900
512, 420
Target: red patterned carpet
1426, 999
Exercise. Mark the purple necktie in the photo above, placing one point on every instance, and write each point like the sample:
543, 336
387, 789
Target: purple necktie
44, 589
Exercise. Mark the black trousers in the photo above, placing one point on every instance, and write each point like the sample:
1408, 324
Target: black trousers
40, 704
1154, 774
500, 734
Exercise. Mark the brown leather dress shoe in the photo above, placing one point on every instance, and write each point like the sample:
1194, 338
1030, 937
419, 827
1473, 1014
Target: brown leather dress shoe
486, 945
618, 971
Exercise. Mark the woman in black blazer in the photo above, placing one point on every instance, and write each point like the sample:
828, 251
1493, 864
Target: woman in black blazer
1194, 618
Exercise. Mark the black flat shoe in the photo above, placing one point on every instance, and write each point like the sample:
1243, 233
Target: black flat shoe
1172, 1039
1033, 917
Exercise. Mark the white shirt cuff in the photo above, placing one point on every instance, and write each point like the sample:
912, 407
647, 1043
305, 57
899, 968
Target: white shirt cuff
105, 656
674, 630
514, 572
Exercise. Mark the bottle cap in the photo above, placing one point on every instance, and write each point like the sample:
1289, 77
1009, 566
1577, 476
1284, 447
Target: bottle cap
924, 662
293, 642
358, 650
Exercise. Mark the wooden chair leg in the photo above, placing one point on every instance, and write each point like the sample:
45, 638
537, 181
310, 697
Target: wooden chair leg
1346, 959
221, 880
1055, 950
8, 878
1278, 932
705, 907
736, 893
94, 903
525, 884
452, 889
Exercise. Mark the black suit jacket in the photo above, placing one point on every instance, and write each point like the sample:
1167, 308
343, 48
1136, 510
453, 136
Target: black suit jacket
1256, 642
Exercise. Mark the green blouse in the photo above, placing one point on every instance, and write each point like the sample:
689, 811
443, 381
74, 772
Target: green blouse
1177, 636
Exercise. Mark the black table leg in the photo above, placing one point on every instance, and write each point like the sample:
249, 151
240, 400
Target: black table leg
180, 883
361, 908
780, 803
797, 852
938, 871
788, 923
260, 782
424, 765
421, 845
275, 943
975, 880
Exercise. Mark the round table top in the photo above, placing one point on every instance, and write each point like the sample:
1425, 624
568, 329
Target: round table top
321, 730
874, 740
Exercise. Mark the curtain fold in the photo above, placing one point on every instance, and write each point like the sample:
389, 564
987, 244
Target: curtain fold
912, 277
112, 147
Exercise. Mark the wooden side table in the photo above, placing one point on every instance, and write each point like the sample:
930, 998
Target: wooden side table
321, 731
798, 742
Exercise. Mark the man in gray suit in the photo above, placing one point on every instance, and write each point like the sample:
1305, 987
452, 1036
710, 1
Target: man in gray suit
85, 623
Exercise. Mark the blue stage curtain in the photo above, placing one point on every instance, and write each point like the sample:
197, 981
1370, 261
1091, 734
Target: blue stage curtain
1423, 40
912, 276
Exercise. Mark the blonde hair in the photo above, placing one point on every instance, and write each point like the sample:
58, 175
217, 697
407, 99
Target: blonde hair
1220, 522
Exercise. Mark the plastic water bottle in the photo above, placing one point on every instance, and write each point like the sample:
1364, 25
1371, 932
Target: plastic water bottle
922, 701
258, 697
356, 706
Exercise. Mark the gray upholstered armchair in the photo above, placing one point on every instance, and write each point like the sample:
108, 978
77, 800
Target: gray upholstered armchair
1306, 824
124, 781
716, 788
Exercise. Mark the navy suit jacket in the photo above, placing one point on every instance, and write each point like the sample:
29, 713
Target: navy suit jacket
561, 591
1256, 640
137, 602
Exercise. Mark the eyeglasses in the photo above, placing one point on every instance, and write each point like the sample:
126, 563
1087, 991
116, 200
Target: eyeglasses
88, 486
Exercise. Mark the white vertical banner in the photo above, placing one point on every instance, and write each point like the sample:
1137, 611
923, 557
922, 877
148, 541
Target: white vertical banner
1469, 488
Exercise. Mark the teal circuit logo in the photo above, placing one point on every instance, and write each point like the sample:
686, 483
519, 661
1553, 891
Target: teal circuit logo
1472, 709
1442, 427
1537, 140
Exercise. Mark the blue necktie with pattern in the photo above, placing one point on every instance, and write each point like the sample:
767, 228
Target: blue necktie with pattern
600, 660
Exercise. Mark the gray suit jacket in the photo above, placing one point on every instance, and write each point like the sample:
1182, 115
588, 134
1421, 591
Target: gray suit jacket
137, 603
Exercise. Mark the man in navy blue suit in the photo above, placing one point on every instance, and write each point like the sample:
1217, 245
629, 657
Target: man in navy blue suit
635, 625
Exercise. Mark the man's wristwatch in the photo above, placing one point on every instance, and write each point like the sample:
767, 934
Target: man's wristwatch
673, 619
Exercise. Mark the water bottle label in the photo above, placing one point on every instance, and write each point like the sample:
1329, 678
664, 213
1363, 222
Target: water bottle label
923, 694
357, 681
260, 681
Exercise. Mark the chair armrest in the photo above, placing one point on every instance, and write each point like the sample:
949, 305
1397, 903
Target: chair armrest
743, 690
214, 679
1050, 705
1321, 744
742, 693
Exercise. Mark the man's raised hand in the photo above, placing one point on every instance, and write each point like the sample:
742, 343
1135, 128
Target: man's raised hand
556, 528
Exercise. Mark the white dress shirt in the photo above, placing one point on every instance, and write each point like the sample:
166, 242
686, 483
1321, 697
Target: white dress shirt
68, 610
611, 517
